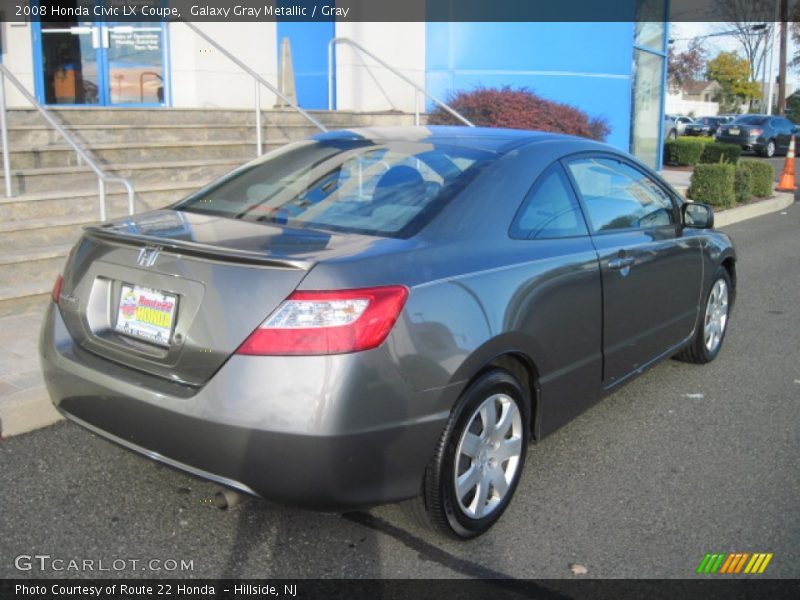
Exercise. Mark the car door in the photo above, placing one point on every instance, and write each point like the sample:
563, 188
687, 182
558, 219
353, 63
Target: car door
558, 306
651, 273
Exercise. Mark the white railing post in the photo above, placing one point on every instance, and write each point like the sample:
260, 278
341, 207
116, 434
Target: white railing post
102, 177
101, 190
255, 75
4, 135
258, 118
416, 107
390, 68
330, 73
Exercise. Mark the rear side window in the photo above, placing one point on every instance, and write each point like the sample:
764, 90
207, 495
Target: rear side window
550, 210
751, 120
617, 196
389, 189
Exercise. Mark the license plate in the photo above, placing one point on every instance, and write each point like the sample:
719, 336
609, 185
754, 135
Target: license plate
146, 313
733, 131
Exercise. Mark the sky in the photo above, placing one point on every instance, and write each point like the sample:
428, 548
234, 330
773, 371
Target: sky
679, 31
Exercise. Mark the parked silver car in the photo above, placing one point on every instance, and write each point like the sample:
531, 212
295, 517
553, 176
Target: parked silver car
681, 122
380, 314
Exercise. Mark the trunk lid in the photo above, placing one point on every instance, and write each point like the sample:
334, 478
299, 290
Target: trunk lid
220, 278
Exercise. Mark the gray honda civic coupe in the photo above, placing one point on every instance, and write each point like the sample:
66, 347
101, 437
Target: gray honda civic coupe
375, 315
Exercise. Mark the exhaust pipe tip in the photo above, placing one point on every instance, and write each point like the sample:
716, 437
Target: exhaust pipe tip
225, 499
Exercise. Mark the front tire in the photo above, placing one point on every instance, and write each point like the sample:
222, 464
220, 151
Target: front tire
713, 323
479, 458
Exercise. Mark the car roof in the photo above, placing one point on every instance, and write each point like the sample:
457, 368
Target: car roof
479, 138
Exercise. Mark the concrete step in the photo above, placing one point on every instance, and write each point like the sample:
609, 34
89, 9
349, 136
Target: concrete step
87, 135
31, 181
38, 157
34, 233
143, 117
85, 202
33, 264
24, 296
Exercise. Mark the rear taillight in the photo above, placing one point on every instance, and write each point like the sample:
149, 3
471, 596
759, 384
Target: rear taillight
57, 288
335, 322
756, 132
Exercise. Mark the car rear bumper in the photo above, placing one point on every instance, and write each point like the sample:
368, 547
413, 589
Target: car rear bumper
745, 143
320, 447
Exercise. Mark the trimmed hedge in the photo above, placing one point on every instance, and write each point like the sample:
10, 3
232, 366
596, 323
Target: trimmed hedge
696, 139
742, 189
713, 184
685, 151
716, 153
762, 174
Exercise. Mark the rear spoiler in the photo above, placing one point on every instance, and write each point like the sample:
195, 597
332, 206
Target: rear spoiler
199, 250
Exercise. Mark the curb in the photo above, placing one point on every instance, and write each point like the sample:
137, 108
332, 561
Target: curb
781, 201
723, 218
25, 411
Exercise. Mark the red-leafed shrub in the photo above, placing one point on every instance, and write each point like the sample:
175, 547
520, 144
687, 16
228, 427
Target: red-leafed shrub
519, 109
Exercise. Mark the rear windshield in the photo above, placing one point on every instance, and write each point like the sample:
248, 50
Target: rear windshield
751, 120
387, 189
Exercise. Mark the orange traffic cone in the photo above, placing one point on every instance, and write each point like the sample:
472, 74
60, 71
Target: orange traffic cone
786, 184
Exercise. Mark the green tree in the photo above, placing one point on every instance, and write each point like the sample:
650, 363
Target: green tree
732, 72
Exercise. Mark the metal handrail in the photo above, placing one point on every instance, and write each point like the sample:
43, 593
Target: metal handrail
258, 81
418, 88
102, 177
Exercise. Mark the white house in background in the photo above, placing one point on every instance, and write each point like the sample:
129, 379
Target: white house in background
695, 97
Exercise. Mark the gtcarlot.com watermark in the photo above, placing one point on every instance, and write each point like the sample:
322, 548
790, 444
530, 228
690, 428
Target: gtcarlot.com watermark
47, 563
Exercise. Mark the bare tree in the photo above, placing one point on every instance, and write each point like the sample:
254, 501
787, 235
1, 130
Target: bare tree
740, 17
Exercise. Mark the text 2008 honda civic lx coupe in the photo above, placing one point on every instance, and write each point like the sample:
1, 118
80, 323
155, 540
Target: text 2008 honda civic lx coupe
379, 314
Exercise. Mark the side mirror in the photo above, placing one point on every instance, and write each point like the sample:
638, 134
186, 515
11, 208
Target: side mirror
697, 215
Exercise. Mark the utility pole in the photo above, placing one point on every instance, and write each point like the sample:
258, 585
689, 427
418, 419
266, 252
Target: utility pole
782, 59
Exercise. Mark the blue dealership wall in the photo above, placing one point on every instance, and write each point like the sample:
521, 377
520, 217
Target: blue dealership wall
309, 43
587, 65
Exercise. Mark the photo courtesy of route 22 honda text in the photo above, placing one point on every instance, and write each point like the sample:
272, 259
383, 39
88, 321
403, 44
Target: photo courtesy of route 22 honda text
374, 315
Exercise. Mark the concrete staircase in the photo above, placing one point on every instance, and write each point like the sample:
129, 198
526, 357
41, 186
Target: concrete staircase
165, 153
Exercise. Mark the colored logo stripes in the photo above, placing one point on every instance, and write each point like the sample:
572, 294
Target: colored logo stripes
735, 563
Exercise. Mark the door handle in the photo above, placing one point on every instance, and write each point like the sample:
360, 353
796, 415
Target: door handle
621, 262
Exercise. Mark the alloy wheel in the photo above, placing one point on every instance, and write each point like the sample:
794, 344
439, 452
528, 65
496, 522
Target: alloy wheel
716, 315
488, 456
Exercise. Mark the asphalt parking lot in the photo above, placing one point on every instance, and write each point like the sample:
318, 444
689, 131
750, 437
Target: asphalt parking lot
685, 460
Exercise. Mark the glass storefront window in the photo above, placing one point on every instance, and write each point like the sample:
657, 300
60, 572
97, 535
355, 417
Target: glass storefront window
93, 62
650, 35
650, 28
135, 64
646, 106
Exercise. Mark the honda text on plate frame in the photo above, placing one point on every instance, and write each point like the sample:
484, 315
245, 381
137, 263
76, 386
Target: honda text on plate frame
375, 315
146, 313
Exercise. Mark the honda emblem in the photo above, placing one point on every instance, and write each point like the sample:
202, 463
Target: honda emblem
148, 256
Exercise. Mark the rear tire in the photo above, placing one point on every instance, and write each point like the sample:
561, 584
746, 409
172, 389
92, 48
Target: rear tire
769, 149
478, 461
712, 323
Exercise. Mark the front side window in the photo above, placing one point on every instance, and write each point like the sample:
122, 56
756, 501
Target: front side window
617, 196
550, 210
389, 189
